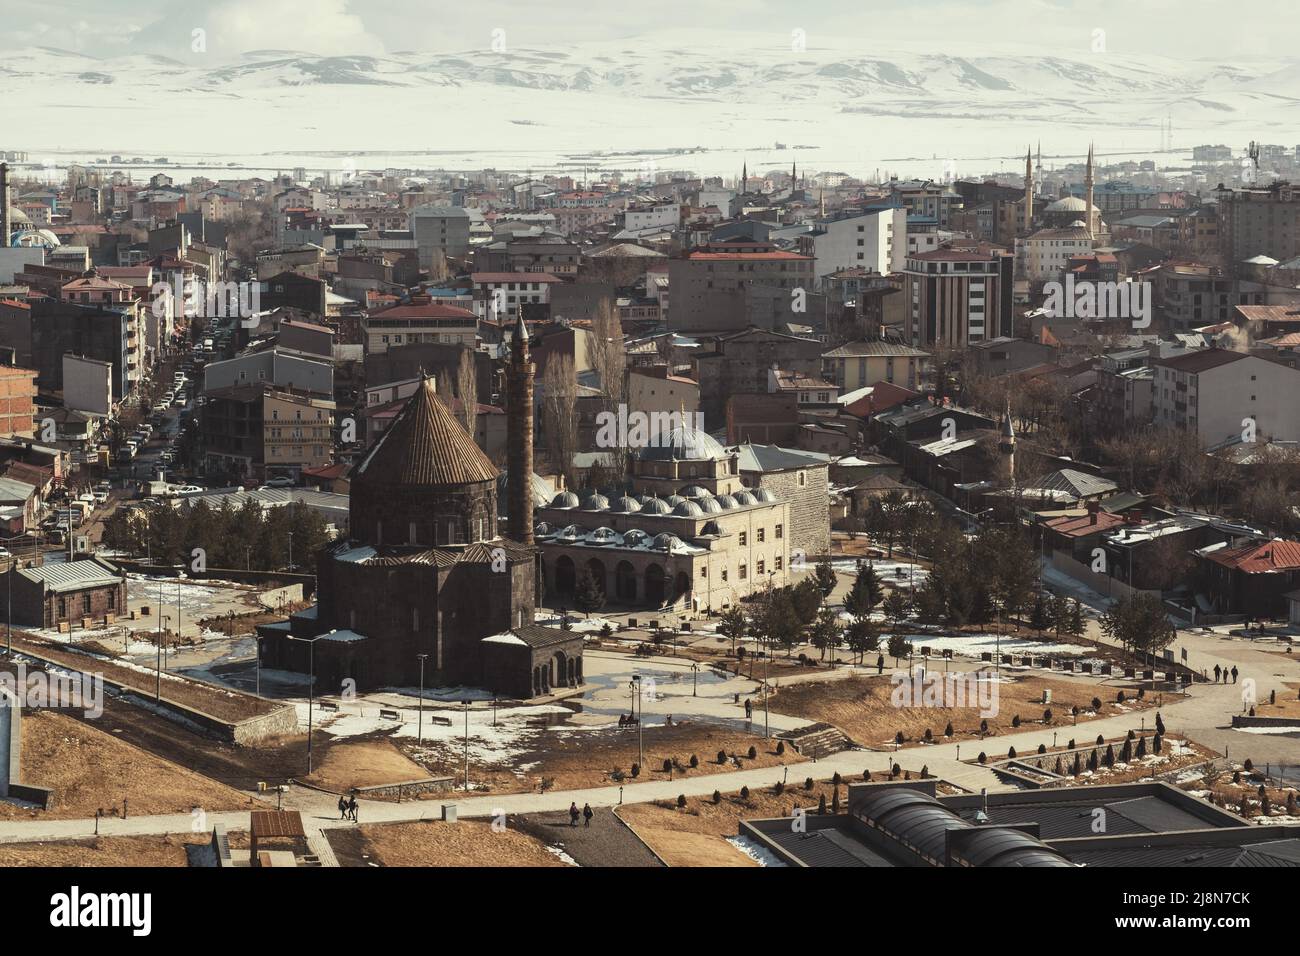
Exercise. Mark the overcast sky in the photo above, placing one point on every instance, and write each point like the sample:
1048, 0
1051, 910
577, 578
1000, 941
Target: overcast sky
1175, 28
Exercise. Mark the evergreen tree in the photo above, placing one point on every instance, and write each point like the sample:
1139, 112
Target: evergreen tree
824, 575
865, 593
588, 596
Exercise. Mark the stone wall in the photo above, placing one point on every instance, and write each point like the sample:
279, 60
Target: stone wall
809, 527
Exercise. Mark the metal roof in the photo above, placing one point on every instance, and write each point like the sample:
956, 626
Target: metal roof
73, 575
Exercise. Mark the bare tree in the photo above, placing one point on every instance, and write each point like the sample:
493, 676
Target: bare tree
467, 390
560, 414
609, 358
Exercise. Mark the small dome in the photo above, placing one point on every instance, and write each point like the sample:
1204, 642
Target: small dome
596, 503
710, 505
603, 536
625, 505
666, 542
542, 528
634, 538
565, 499
687, 509
655, 506
745, 498
673, 500
695, 491
645, 498
683, 444
711, 528
1068, 204
726, 502
764, 494
571, 533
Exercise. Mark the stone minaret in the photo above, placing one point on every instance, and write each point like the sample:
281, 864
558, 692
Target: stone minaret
519, 450
1028, 224
1087, 195
6, 226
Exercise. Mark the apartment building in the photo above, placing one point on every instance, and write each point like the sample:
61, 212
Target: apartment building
875, 239
1259, 220
956, 296
1227, 397
422, 319
723, 288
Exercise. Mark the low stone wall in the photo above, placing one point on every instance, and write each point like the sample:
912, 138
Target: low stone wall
408, 788
43, 797
1243, 720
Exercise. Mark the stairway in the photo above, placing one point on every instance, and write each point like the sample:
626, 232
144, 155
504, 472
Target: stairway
816, 740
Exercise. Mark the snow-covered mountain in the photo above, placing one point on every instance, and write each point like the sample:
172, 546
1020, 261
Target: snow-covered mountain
620, 96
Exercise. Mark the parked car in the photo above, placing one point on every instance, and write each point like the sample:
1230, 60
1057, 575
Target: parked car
280, 482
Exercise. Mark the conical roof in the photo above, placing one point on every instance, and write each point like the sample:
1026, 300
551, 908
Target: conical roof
426, 446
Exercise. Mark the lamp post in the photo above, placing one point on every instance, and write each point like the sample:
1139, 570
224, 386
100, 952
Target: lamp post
290, 550
419, 734
311, 686
640, 724
466, 705
695, 679
158, 666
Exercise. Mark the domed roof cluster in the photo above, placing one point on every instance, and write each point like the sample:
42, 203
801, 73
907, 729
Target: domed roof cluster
684, 443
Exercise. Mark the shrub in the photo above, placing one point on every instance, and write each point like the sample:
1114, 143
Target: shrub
668, 765
1015, 721
717, 796
1071, 746
983, 758
984, 726
837, 779
780, 748
1011, 753
1078, 765
1249, 765
1119, 698
1042, 748
636, 770
1110, 755
808, 783
695, 761
1100, 740
753, 752
929, 735
681, 801
1058, 769
821, 804
1157, 743
1096, 703
744, 793
894, 771
779, 788
1142, 692
1142, 747
947, 731
925, 771
1130, 736
722, 756
1160, 724
899, 738
1047, 716
1126, 753
1092, 761
835, 800
866, 776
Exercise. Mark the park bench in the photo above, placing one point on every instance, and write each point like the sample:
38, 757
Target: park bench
389, 714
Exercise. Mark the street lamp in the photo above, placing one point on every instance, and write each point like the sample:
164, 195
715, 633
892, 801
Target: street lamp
695, 679
290, 550
640, 723
466, 705
311, 685
419, 734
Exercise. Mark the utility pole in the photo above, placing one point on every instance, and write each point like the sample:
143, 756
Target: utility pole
419, 736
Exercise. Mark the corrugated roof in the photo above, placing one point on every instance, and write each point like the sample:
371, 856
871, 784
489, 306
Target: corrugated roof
426, 446
1276, 555
73, 575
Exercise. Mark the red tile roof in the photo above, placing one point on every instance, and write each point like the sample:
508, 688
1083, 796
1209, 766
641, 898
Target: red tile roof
1276, 555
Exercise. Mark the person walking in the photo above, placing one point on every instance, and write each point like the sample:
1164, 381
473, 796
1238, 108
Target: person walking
587, 814
352, 807
573, 814
880, 663
749, 709
1234, 673
343, 808
1216, 673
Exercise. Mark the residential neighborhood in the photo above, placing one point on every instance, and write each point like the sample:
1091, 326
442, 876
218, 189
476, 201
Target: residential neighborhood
712, 502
